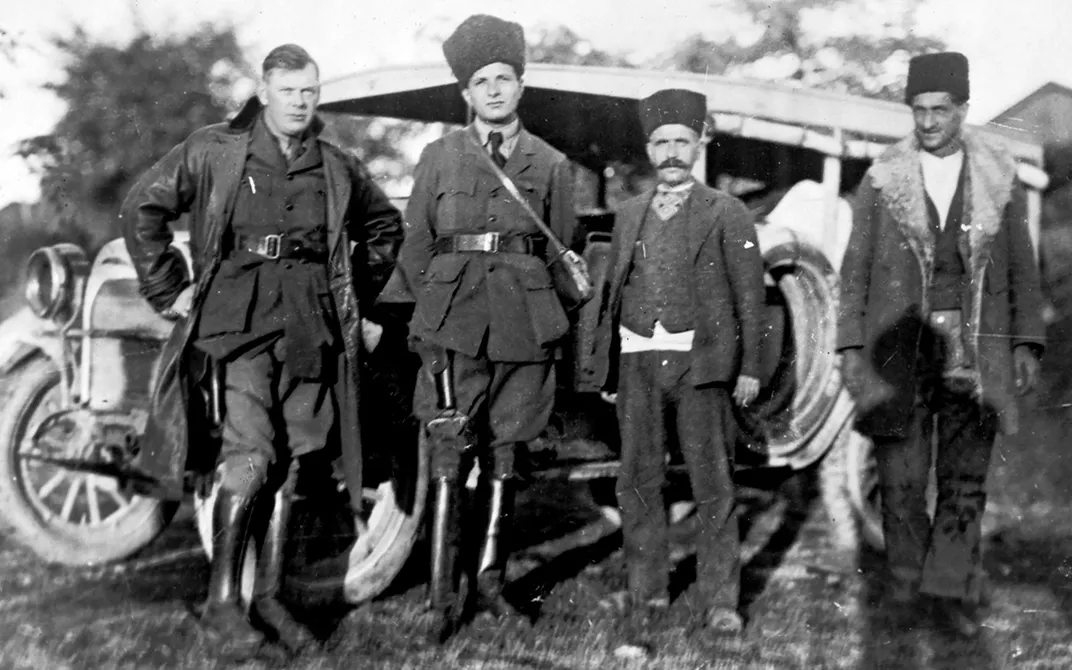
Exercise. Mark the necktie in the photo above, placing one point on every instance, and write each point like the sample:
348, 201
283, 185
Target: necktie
496, 140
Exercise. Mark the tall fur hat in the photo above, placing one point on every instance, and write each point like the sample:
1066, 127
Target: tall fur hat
946, 71
482, 40
673, 105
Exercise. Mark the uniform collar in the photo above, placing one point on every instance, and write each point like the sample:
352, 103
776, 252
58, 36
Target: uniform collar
509, 132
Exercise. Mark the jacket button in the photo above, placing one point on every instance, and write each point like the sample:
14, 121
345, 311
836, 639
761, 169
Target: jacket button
491, 269
289, 207
290, 177
491, 219
288, 265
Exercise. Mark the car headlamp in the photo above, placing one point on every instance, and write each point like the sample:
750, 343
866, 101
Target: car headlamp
54, 279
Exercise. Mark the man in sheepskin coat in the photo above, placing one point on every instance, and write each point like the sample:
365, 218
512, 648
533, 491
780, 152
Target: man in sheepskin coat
940, 327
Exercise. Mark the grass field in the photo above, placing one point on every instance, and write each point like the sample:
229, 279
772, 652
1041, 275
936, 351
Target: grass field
799, 617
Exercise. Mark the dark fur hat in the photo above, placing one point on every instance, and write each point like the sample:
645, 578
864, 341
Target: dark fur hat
946, 71
673, 105
482, 40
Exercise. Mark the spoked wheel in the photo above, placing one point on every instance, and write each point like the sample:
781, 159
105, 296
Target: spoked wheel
64, 516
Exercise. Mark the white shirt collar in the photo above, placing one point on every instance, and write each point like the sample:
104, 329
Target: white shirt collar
509, 132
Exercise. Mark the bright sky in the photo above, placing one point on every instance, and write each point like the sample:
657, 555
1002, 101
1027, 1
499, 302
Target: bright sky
1014, 46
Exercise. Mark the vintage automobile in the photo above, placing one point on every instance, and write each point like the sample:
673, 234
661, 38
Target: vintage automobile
77, 365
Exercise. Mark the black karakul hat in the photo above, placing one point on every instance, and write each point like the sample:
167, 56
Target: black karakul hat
946, 71
673, 105
482, 40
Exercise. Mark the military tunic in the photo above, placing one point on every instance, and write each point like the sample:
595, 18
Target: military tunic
496, 312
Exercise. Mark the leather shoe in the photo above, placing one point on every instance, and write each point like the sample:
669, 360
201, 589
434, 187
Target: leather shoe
294, 636
724, 621
641, 621
957, 617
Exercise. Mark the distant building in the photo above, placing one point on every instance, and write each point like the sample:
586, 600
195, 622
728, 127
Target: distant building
1047, 115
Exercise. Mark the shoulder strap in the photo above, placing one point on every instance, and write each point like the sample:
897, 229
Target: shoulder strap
512, 188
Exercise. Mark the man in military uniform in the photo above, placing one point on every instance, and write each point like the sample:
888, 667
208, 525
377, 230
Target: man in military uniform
487, 318
274, 301
681, 321
940, 323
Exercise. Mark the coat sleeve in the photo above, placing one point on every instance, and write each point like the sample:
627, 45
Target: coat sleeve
744, 267
160, 197
563, 218
377, 225
417, 246
856, 268
605, 343
1025, 296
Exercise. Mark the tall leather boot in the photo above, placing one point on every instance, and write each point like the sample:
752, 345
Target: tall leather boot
443, 596
294, 636
223, 619
491, 564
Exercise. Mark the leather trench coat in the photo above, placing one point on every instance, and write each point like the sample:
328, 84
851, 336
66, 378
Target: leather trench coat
200, 178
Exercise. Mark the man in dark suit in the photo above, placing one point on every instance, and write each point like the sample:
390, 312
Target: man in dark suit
940, 326
276, 299
682, 318
487, 318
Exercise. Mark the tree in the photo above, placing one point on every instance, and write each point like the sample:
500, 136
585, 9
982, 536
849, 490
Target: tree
561, 45
126, 107
854, 46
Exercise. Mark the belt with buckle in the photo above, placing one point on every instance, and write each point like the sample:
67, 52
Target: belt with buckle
489, 243
273, 247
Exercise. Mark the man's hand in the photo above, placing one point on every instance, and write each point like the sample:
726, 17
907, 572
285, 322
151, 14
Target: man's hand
746, 390
180, 309
371, 332
852, 371
1027, 367
612, 398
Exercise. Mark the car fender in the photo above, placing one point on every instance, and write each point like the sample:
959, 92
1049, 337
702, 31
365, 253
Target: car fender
24, 335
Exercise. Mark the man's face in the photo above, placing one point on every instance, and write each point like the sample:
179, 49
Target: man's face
672, 149
494, 92
290, 98
938, 119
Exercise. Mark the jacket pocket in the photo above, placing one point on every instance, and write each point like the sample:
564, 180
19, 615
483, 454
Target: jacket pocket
458, 182
533, 190
548, 319
441, 283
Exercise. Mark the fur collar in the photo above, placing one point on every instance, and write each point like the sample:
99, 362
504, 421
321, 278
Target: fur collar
898, 176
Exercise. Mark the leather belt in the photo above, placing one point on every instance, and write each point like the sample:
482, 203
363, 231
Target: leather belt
490, 243
274, 247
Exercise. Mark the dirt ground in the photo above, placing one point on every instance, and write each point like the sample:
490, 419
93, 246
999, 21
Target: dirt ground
136, 615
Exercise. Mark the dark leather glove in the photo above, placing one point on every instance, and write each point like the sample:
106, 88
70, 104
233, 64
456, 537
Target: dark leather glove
1026, 364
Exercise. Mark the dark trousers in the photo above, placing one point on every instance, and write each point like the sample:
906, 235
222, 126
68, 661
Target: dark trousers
655, 403
268, 409
942, 557
507, 403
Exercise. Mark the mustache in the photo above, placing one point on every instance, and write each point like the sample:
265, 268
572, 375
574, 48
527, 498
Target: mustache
673, 163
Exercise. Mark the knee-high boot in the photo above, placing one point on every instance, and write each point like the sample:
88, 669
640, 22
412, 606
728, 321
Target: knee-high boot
443, 596
266, 605
491, 565
224, 619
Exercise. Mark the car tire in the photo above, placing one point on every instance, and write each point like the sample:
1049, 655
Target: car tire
63, 516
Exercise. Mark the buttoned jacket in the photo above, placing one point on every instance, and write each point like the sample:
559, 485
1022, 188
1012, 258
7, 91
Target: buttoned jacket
200, 179
464, 297
728, 295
